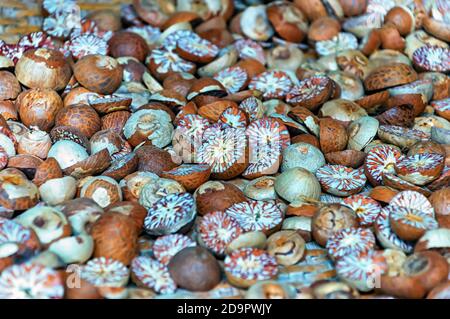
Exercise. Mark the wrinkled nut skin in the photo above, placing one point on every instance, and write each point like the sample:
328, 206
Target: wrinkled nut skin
80, 116
125, 43
98, 73
38, 107
131, 209
195, 269
389, 75
49, 169
43, 68
329, 219
153, 159
115, 236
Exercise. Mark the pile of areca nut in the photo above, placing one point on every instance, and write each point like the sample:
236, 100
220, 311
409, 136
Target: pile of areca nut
227, 149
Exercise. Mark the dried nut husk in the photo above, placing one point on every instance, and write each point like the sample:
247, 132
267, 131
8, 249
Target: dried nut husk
296, 184
58, 190
361, 132
302, 155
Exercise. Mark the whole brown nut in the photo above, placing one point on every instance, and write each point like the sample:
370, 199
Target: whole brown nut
9, 86
115, 121
331, 218
43, 68
115, 236
98, 73
125, 43
195, 269
287, 246
353, 7
80, 116
323, 29
402, 18
38, 107
106, 20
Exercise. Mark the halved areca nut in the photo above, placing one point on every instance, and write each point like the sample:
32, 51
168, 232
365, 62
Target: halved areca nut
267, 138
187, 137
366, 208
340, 180
225, 150
380, 160
413, 199
31, 281
387, 237
432, 58
265, 216
246, 266
350, 241
170, 214
13, 232
361, 271
254, 108
234, 117
216, 230
165, 247
150, 273
273, 84
233, 78
311, 92
105, 272
196, 50
409, 223
420, 169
